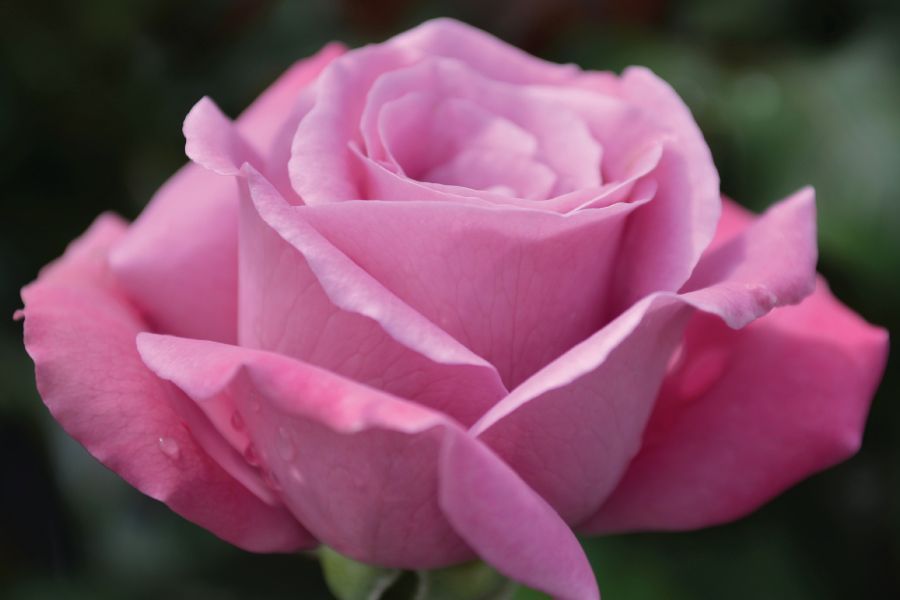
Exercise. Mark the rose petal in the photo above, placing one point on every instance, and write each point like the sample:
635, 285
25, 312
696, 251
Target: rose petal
667, 236
381, 182
303, 297
509, 525
372, 475
813, 369
517, 287
782, 246
213, 142
80, 331
492, 57
394, 126
564, 142
179, 259
748, 414
571, 429
322, 166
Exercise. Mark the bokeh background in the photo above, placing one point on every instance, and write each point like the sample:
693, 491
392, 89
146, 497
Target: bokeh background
788, 92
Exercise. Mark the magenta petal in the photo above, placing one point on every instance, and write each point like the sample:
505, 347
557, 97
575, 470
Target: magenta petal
746, 414
178, 261
585, 412
80, 331
379, 479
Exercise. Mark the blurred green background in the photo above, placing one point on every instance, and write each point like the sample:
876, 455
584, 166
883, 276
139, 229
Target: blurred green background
788, 92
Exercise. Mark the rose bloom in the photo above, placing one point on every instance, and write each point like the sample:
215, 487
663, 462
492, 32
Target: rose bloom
436, 299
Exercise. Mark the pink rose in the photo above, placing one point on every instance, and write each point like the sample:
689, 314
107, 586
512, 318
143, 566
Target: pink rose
435, 299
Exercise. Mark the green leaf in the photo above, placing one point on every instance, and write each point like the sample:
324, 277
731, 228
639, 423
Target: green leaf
351, 580
469, 581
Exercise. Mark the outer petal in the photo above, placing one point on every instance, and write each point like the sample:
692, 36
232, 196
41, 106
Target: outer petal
571, 429
179, 259
379, 479
687, 200
303, 297
493, 58
80, 331
744, 414
517, 287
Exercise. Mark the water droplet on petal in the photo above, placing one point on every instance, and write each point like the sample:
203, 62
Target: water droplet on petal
251, 456
254, 404
170, 448
296, 475
285, 445
237, 421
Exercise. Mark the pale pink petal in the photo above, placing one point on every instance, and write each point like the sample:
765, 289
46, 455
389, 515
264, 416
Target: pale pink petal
488, 55
213, 142
432, 124
382, 182
572, 428
301, 296
283, 103
498, 171
394, 125
667, 236
517, 287
80, 331
466, 145
178, 262
322, 166
746, 414
379, 479
179, 259
735, 219
510, 526
779, 242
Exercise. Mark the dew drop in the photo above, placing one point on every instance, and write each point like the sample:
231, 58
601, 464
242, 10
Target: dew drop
285, 445
296, 475
251, 456
237, 421
170, 448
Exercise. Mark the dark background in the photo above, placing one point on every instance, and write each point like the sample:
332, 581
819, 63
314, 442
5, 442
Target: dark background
788, 92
